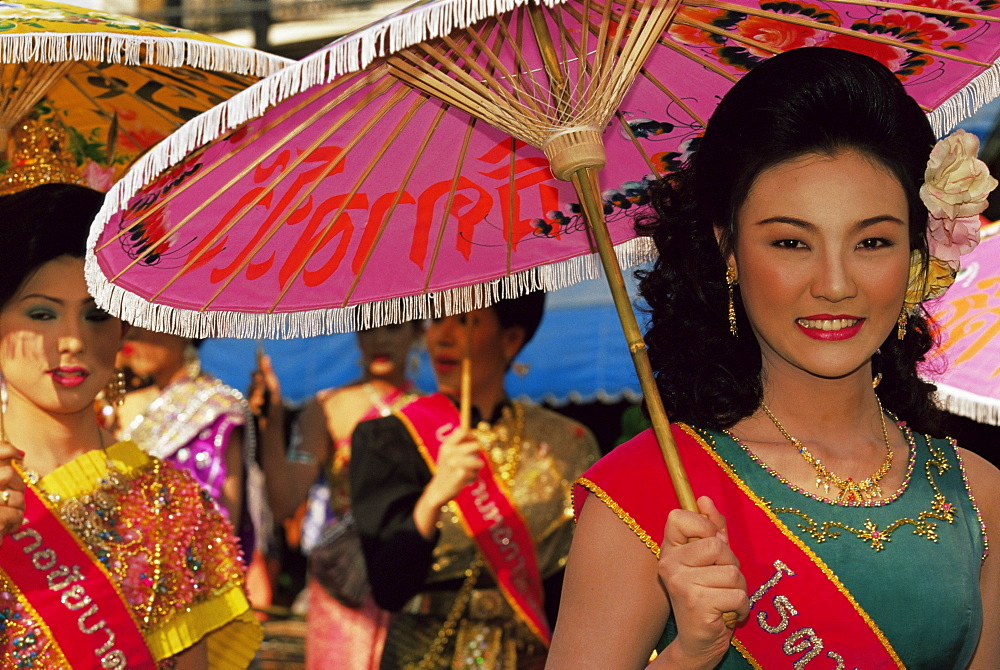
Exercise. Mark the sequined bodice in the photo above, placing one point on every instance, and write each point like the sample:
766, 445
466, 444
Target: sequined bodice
912, 562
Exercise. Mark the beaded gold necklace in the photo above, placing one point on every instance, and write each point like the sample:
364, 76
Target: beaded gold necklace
865, 490
502, 442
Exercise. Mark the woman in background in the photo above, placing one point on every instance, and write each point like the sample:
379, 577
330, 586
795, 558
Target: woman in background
121, 561
337, 634
444, 513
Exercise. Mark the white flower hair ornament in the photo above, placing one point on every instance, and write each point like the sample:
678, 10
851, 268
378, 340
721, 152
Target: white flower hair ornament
956, 186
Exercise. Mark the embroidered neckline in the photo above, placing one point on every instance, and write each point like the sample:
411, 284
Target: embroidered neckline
924, 525
910, 462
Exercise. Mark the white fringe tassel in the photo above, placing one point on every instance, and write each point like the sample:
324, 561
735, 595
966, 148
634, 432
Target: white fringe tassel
981, 409
139, 50
189, 323
351, 53
966, 102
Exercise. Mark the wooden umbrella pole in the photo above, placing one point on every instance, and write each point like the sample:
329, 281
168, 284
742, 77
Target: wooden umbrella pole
586, 185
465, 390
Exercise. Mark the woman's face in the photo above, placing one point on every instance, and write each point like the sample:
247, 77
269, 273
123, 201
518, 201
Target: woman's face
147, 352
822, 256
57, 349
384, 350
492, 349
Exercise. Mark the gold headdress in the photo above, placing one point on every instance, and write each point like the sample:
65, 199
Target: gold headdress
38, 153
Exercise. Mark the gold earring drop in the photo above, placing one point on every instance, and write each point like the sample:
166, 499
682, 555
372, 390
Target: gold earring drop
114, 392
730, 283
901, 325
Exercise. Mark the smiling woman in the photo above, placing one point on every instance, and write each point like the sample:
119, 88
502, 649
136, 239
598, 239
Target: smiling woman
796, 247
94, 577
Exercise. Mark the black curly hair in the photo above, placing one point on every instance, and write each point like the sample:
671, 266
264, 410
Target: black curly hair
810, 100
40, 224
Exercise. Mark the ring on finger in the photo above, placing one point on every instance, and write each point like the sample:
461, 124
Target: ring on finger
5, 496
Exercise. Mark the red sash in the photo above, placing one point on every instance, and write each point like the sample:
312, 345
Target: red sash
489, 516
72, 592
800, 610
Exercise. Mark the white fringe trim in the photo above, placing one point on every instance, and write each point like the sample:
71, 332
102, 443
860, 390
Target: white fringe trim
981, 409
351, 53
190, 323
137, 50
966, 102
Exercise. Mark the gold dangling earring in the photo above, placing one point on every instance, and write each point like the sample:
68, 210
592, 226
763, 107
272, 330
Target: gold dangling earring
730, 283
901, 325
114, 391
3, 410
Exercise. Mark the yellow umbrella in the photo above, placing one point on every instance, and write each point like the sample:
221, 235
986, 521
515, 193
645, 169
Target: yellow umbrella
83, 93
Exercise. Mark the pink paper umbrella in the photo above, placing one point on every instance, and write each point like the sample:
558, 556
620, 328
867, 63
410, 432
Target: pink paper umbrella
966, 367
407, 169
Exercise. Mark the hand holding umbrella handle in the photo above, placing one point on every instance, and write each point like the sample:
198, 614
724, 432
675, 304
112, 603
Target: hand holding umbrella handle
585, 181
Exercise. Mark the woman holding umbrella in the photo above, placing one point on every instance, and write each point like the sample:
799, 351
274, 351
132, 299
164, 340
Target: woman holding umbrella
338, 634
795, 250
465, 532
121, 561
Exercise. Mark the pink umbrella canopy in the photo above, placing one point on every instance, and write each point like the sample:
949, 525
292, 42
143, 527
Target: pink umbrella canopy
335, 195
966, 366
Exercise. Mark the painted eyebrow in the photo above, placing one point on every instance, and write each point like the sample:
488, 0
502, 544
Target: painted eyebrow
42, 296
806, 225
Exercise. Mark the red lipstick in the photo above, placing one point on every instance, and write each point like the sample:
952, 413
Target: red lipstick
830, 327
69, 375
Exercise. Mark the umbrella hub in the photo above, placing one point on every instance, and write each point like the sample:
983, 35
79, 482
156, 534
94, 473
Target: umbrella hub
573, 149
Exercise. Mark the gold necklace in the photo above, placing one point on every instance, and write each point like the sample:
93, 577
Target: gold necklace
502, 442
866, 490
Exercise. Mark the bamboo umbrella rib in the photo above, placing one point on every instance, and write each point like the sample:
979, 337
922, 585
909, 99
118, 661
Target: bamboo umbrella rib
602, 37
635, 38
639, 51
363, 80
516, 94
869, 37
424, 78
562, 111
435, 124
586, 79
608, 60
440, 86
537, 90
709, 28
462, 153
581, 49
488, 89
568, 57
670, 94
28, 85
887, 5
398, 97
511, 199
488, 76
690, 55
380, 88
635, 142
277, 144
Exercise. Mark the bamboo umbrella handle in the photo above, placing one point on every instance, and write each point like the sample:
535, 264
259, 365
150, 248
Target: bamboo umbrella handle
586, 184
465, 392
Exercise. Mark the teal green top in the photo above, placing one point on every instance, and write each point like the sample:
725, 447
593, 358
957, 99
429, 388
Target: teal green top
912, 561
